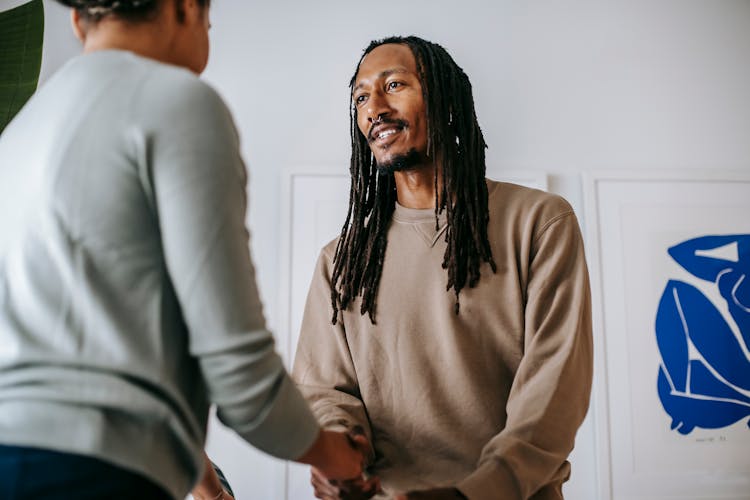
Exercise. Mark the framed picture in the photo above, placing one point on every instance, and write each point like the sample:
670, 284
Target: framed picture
314, 204
669, 254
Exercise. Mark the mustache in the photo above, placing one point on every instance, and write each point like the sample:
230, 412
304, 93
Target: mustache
383, 121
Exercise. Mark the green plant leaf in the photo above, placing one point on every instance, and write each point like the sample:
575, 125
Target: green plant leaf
21, 37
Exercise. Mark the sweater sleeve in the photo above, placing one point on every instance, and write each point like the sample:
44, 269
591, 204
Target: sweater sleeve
198, 182
550, 392
323, 366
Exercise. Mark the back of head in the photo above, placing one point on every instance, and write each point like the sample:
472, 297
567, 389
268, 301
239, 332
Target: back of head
170, 31
93, 11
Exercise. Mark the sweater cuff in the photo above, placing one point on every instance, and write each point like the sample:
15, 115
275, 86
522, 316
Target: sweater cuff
289, 428
488, 481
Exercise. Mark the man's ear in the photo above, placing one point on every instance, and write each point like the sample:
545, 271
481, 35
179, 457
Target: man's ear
78, 25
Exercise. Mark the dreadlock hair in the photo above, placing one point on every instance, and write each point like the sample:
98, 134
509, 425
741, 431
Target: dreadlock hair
456, 145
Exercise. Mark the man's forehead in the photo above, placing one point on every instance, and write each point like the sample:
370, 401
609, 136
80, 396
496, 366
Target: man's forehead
386, 59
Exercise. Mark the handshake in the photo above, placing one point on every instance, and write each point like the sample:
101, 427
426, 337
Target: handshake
338, 463
338, 455
341, 473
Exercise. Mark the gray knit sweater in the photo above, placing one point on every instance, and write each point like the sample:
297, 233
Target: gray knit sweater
128, 301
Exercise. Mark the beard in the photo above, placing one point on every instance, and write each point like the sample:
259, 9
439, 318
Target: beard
401, 163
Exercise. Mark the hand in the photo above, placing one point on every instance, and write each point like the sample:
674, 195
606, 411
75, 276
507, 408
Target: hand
337, 455
352, 489
223, 495
434, 494
209, 487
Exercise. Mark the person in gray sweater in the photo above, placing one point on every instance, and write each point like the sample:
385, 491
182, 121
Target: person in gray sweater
128, 302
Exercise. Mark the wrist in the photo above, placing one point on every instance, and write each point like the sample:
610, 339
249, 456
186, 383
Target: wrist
317, 452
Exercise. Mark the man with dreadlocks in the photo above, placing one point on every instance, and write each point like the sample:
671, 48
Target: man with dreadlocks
450, 321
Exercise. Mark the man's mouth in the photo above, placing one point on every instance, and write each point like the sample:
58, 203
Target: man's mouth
386, 133
383, 132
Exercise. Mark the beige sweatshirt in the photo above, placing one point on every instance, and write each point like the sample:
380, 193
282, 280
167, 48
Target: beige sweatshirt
488, 400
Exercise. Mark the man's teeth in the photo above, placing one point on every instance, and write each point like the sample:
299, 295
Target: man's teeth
386, 133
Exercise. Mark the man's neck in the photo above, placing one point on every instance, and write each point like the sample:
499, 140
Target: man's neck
415, 188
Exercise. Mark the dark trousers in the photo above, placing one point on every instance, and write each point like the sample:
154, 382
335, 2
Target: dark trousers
32, 473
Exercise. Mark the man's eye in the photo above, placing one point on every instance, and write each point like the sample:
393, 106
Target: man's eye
393, 85
360, 99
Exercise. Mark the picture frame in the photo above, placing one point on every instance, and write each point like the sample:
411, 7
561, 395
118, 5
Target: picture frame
662, 391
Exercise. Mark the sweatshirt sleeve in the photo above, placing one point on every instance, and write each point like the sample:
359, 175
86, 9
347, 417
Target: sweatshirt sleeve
323, 366
198, 182
550, 392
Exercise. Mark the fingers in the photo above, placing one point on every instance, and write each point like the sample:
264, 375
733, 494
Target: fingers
357, 430
354, 489
360, 441
433, 494
371, 487
378, 486
359, 489
323, 488
357, 457
339, 457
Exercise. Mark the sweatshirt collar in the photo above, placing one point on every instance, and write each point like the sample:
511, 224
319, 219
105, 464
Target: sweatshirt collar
418, 215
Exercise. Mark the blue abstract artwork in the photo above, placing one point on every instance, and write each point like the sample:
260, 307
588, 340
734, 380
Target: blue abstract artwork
704, 377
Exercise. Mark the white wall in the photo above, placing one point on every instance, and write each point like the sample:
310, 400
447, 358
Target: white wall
559, 86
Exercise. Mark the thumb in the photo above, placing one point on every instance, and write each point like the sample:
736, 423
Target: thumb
360, 440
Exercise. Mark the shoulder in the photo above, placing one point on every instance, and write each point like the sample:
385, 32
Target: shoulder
171, 93
180, 86
324, 265
329, 251
522, 199
526, 207
120, 75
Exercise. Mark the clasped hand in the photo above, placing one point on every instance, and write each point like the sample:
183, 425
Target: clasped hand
362, 488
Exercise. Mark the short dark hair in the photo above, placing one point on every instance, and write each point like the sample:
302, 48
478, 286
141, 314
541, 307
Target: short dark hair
93, 11
456, 142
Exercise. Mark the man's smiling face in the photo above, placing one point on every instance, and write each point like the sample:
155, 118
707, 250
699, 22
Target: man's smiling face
387, 96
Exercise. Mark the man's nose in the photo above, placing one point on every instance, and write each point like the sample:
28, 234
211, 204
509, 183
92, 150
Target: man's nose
377, 107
